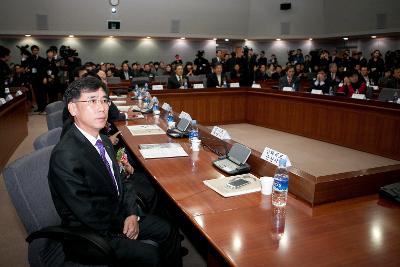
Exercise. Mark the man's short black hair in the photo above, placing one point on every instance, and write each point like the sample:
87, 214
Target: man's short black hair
216, 65
34, 47
86, 84
77, 70
4, 51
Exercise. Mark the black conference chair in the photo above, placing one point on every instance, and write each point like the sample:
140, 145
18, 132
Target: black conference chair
27, 184
54, 120
48, 138
55, 106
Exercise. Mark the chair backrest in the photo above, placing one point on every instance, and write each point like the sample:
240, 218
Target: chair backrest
55, 106
113, 80
54, 120
49, 138
161, 79
27, 184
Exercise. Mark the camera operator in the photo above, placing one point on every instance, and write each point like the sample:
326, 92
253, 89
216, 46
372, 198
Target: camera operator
72, 61
37, 72
203, 66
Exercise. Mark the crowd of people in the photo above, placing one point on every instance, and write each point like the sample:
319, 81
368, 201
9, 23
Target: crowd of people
341, 71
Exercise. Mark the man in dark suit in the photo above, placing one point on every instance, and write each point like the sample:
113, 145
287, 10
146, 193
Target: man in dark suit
5, 71
321, 82
217, 58
36, 65
217, 78
125, 73
289, 80
87, 189
178, 80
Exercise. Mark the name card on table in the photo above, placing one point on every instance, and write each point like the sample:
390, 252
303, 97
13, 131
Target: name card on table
166, 107
359, 96
287, 89
7, 90
272, 156
9, 97
198, 86
2, 101
220, 133
185, 115
374, 87
256, 85
18, 93
234, 85
157, 87
316, 92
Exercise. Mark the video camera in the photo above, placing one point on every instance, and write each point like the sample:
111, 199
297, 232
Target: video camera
66, 51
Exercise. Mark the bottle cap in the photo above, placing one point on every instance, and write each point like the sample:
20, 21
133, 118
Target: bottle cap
282, 163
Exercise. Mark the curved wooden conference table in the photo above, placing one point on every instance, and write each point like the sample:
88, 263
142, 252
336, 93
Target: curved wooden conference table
247, 231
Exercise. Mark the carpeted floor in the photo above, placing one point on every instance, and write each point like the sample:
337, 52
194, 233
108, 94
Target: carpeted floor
315, 157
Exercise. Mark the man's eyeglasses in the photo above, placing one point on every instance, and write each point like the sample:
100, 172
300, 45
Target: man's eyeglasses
94, 102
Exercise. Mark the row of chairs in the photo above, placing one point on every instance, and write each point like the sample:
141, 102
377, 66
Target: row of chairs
27, 184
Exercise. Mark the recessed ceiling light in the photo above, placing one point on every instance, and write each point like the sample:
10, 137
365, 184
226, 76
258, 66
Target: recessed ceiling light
226, 40
113, 10
28, 35
148, 37
373, 36
183, 38
71, 36
310, 39
345, 38
215, 39
278, 39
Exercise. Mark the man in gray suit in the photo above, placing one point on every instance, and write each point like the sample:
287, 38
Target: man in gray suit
289, 80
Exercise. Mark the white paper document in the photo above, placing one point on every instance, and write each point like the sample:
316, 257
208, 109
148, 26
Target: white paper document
166, 150
124, 108
118, 97
119, 102
220, 185
137, 130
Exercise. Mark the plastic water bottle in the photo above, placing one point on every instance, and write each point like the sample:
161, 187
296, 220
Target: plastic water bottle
185, 84
146, 86
8, 94
331, 90
225, 85
194, 131
280, 186
170, 117
395, 97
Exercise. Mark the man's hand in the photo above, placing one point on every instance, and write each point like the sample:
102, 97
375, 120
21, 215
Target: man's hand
114, 139
131, 227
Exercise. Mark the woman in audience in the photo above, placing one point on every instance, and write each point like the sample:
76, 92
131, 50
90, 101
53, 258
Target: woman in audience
376, 66
235, 73
168, 70
188, 70
352, 85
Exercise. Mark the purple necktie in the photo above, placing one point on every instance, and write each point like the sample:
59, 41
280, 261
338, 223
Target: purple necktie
102, 149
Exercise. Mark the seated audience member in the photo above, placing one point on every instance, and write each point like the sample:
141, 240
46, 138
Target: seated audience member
395, 81
324, 60
103, 67
289, 80
87, 190
157, 70
177, 81
217, 78
334, 77
365, 75
352, 85
278, 72
261, 74
168, 70
376, 66
147, 71
79, 72
135, 70
321, 82
188, 71
385, 79
270, 70
110, 73
235, 73
125, 73
298, 71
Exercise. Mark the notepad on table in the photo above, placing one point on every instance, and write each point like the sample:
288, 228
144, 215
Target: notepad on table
137, 130
118, 96
124, 108
119, 102
165, 150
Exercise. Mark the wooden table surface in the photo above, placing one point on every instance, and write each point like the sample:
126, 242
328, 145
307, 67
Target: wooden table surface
247, 231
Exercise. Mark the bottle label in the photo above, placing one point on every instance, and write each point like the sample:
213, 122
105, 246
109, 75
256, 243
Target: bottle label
281, 184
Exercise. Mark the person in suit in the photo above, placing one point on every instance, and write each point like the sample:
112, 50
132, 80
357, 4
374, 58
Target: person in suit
364, 73
217, 78
125, 73
87, 189
289, 80
376, 66
5, 71
321, 82
261, 74
36, 65
394, 82
177, 81
217, 58
50, 81
334, 77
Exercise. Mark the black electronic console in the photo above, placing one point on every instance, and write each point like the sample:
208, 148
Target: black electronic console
181, 130
235, 162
